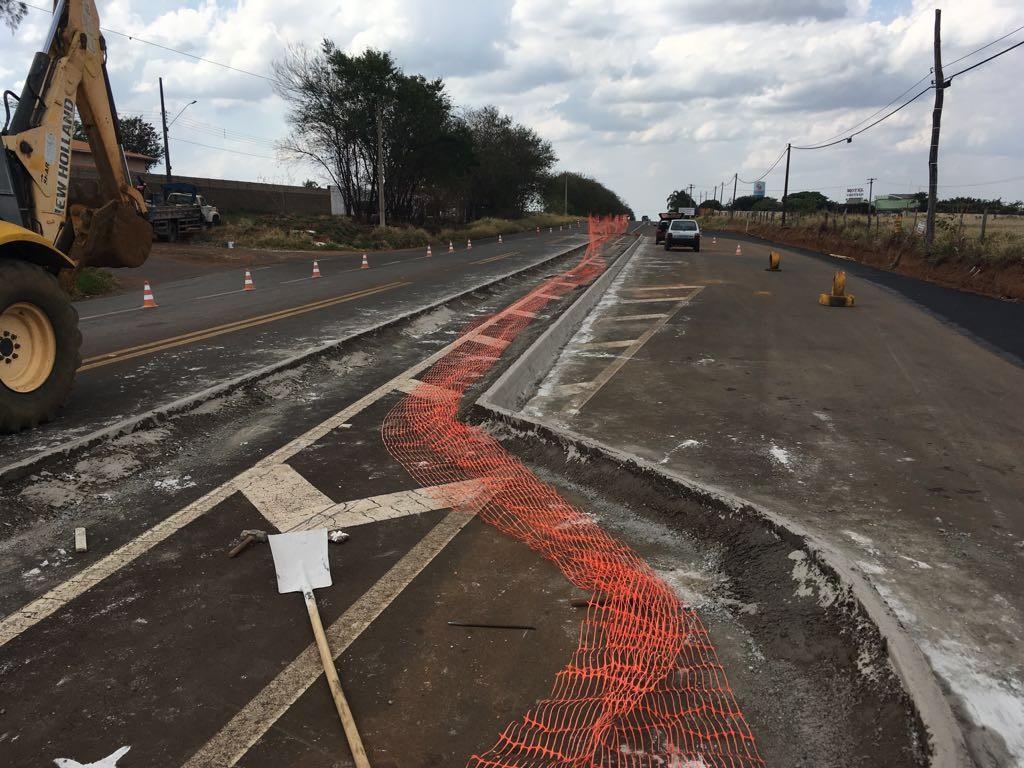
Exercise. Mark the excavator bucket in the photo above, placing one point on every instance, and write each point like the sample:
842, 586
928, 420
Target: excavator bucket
114, 235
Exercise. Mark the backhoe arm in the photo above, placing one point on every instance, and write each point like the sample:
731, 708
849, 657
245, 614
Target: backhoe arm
109, 229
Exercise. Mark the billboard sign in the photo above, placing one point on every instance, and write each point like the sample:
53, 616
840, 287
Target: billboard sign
758, 189
688, 211
854, 195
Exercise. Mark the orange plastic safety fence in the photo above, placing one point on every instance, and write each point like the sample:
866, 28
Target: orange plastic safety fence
644, 688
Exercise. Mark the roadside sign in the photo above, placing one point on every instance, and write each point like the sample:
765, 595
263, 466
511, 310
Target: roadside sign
688, 211
921, 227
854, 195
759, 189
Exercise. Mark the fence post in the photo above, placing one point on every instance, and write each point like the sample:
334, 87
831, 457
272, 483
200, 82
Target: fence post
984, 222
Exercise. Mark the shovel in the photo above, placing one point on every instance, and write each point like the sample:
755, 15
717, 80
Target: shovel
300, 559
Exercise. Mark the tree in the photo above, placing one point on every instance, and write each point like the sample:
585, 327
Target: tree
12, 12
767, 204
712, 205
510, 162
807, 202
310, 184
137, 135
585, 196
337, 105
680, 199
745, 203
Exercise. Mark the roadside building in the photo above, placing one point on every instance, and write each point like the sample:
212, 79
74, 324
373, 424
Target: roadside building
896, 203
81, 158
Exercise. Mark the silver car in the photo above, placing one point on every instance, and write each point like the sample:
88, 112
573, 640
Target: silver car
682, 232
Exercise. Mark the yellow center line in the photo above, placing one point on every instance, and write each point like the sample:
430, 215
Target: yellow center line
496, 258
218, 330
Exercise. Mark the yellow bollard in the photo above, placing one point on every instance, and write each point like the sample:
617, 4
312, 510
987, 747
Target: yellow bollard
838, 297
774, 260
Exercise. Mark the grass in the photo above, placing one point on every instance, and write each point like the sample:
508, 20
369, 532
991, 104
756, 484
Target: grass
892, 236
310, 233
92, 281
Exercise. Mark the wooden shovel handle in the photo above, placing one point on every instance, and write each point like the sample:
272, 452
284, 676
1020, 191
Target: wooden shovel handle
355, 743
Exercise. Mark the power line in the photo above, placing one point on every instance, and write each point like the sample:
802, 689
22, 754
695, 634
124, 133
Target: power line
202, 59
221, 149
986, 45
985, 61
849, 138
770, 169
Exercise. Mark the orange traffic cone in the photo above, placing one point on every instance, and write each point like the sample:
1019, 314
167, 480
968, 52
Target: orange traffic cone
429, 252
451, 247
739, 251
469, 245
559, 227
714, 241
551, 230
366, 264
148, 301
538, 231
316, 270
500, 241
249, 286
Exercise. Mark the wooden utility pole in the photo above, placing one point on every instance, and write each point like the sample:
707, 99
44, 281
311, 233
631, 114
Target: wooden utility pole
871, 195
163, 117
785, 189
380, 164
566, 175
732, 205
933, 153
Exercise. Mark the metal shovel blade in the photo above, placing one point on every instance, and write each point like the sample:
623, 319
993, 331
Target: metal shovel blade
300, 559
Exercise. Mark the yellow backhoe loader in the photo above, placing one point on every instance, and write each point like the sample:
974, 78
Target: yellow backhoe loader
48, 227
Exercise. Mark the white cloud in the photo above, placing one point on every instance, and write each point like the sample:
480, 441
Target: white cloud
648, 95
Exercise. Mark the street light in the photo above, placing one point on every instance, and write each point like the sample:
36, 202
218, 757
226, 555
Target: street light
182, 110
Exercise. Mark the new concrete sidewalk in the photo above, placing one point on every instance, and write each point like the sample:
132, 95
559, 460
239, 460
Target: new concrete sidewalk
883, 430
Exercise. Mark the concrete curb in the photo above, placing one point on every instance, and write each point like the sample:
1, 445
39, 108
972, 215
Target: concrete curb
502, 402
531, 367
155, 416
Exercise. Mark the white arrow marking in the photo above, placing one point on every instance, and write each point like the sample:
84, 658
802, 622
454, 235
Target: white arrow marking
107, 762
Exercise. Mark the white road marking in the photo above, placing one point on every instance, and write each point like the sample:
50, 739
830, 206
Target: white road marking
426, 390
660, 288
26, 617
523, 313
215, 295
608, 344
490, 341
572, 389
389, 506
623, 318
259, 715
108, 314
285, 497
654, 300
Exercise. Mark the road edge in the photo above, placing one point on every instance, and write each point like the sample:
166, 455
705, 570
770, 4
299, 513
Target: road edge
502, 401
26, 466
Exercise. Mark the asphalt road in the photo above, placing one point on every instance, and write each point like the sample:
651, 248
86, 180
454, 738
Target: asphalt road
886, 428
207, 329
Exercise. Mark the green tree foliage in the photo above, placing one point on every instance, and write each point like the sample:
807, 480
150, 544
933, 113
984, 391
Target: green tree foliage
745, 203
766, 204
973, 205
12, 12
137, 135
713, 205
310, 184
510, 163
339, 102
680, 199
807, 202
585, 196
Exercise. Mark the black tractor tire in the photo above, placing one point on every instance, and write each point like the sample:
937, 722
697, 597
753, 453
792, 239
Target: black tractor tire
24, 282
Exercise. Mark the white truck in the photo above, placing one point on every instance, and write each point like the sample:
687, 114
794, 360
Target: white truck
188, 194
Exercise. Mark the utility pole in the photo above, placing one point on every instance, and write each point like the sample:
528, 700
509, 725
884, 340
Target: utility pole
735, 179
691, 193
785, 189
933, 153
565, 174
163, 117
871, 196
380, 164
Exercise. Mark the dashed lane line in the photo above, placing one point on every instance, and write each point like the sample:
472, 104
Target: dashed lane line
231, 743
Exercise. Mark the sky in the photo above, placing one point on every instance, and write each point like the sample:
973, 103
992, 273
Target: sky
647, 96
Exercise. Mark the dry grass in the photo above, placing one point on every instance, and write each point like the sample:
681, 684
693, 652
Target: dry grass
310, 233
